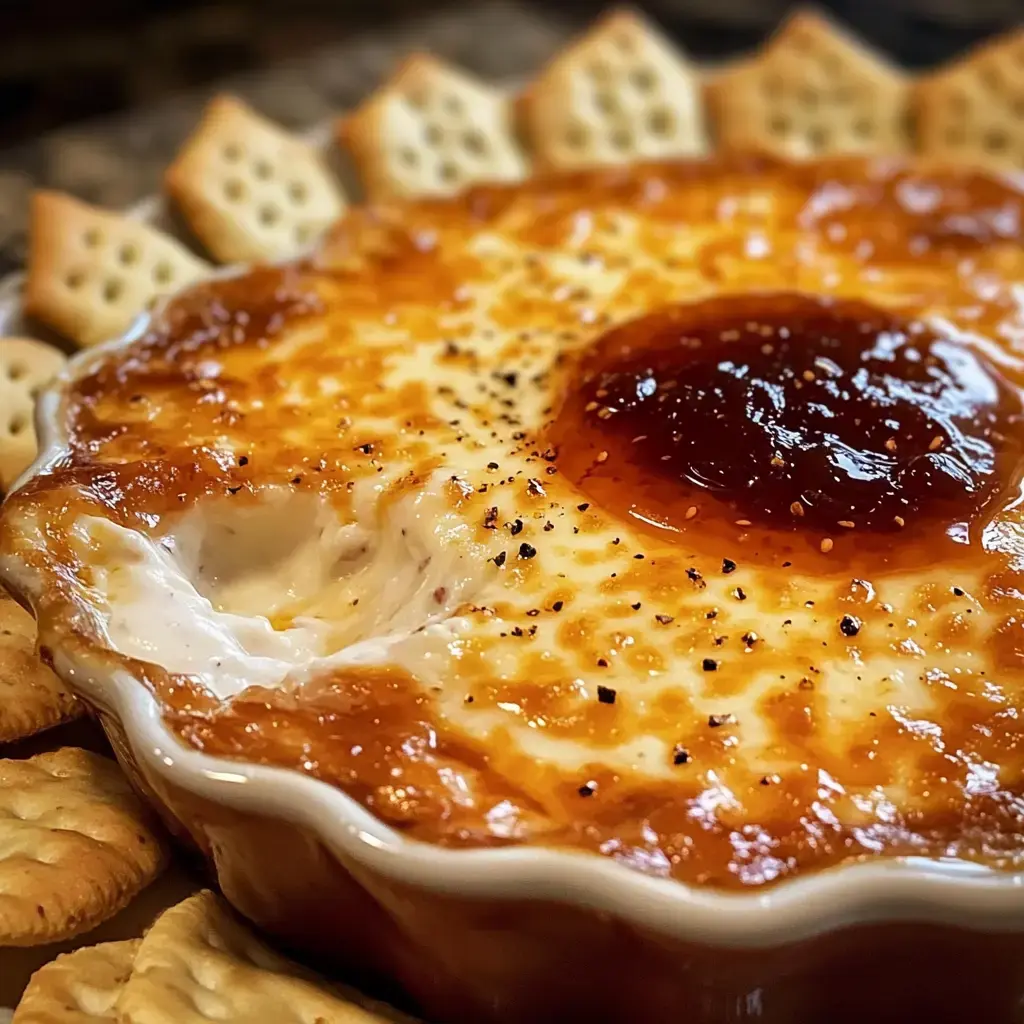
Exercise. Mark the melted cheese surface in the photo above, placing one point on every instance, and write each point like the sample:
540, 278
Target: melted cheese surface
319, 510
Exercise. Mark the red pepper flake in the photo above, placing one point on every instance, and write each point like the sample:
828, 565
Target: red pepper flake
606, 695
440, 594
527, 550
728, 566
718, 720
709, 665
849, 625
680, 755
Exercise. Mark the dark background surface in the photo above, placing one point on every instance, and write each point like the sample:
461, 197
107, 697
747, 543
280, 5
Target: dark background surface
63, 61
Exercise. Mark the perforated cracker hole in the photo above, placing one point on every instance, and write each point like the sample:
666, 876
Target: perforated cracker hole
232, 152
262, 169
817, 137
474, 142
92, 238
863, 128
448, 172
433, 133
643, 79
996, 140
17, 423
128, 254
234, 189
163, 272
606, 101
113, 289
74, 280
600, 70
661, 122
269, 215
16, 370
621, 138
452, 104
576, 136
297, 192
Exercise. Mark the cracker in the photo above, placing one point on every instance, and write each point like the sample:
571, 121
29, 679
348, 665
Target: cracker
620, 93
80, 987
91, 272
32, 697
75, 845
972, 111
431, 130
26, 367
198, 963
814, 90
248, 189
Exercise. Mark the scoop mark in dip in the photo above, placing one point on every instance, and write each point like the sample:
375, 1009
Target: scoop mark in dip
800, 413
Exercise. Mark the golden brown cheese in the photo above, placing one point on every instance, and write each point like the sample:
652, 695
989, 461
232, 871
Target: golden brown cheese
702, 682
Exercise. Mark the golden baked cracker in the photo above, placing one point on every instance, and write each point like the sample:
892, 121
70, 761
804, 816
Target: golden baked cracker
813, 90
199, 963
248, 189
91, 272
26, 367
620, 93
431, 130
972, 111
75, 845
32, 697
80, 987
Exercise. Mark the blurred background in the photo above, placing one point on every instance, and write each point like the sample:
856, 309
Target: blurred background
97, 96
62, 61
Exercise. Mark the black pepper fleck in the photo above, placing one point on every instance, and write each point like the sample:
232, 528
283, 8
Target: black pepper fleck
681, 755
709, 665
606, 695
527, 550
499, 559
728, 566
849, 625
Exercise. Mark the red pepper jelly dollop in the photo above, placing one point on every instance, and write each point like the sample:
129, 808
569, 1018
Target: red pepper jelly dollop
790, 411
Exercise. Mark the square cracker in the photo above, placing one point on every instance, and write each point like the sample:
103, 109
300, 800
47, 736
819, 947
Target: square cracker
813, 90
199, 963
81, 987
430, 131
26, 367
91, 272
249, 190
32, 697
75, 845
620, 93
972, 111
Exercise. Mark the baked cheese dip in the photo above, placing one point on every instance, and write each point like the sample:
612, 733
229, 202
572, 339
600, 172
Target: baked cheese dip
670, 513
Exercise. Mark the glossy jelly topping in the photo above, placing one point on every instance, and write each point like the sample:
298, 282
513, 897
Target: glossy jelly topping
799, 412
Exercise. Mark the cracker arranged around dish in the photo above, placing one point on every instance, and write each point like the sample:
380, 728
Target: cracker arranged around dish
251, 192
